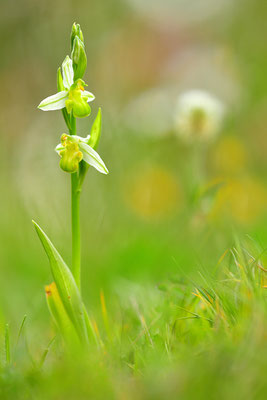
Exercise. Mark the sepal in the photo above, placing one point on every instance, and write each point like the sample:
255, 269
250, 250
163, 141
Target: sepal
55, 102
91, 157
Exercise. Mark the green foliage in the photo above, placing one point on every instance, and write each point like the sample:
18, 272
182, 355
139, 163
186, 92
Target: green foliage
181, 339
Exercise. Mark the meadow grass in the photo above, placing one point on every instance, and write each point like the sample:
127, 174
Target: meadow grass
192, 336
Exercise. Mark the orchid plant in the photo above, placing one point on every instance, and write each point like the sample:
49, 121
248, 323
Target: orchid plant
76, 155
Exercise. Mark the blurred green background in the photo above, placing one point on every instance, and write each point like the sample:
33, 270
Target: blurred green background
150, 217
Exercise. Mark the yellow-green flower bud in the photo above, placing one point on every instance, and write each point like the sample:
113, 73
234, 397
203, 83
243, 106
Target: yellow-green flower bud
79, 59
70, 156
76, 103
76, 31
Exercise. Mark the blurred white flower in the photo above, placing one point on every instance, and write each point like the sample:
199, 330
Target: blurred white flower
198, 116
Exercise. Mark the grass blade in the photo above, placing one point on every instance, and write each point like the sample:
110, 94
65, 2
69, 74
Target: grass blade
21, 328
44, 355
7, 344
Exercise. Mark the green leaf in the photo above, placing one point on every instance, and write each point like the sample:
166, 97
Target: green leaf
96, 131
59, 314
65, 283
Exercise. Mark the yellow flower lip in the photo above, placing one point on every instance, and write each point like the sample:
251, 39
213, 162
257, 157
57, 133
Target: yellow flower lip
70, 157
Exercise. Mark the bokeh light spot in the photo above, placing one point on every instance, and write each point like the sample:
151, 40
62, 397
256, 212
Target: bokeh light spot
154, 192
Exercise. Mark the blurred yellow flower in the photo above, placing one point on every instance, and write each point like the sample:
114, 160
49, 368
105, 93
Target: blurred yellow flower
154, 192
229, 155
243, 201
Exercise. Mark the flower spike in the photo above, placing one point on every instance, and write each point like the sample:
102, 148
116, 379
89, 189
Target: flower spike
76, 155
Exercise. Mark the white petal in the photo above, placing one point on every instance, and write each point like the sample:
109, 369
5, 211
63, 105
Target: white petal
59, 148
55, 102
89, 96
91, 157
67, 72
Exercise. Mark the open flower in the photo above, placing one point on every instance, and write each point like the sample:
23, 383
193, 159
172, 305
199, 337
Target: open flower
74, 149
73, 97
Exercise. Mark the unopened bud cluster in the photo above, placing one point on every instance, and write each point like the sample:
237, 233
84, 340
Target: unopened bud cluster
78, 54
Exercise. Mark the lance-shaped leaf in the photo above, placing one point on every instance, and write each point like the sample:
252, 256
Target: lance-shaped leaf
96, 131
67, 288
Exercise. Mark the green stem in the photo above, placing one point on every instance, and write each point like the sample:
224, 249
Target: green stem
75, 218
76, 234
